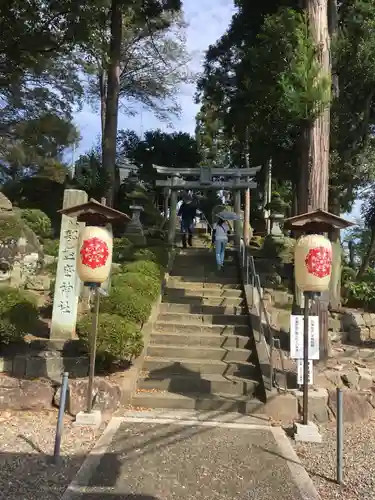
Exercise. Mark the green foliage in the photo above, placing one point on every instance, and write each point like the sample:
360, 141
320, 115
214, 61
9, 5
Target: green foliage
118, 339
51, 247
123, 249
126, 303
19, 311
11, 227
362, 292
38, 221
279, 248
157, 254
147, 268
256, 242
144, 286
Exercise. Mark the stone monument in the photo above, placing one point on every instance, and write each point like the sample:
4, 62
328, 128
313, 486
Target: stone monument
67, 285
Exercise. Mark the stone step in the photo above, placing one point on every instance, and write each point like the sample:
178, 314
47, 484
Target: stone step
200, 329
215, 293
204, 319
201, 309
199, 352
196, 300
200, 282
208, 384
194, 339
196, 401
225, 275
184, 366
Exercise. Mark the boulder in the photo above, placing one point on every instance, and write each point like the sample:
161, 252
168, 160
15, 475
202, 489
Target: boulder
16, 394
39, 283
356, 406
107, 395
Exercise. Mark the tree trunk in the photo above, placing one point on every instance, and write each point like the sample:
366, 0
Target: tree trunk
366, 260
103, 101
318, 152
112, 101
315, 166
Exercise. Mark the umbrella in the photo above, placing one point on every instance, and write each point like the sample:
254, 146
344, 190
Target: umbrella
228, 216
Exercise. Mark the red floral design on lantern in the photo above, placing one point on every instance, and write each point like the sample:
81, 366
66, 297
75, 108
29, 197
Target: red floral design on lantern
318, 261
94, 253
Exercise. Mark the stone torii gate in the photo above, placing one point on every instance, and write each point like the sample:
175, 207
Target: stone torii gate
241, 179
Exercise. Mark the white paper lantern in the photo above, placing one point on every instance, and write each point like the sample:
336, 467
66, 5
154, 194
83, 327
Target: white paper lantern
313, 263
94, 257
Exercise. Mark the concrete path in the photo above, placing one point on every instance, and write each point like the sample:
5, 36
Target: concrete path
189, 455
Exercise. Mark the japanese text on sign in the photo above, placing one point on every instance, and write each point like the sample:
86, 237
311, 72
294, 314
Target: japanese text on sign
300, 372
296, 337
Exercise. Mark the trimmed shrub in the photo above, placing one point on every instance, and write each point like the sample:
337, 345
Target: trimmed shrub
38, 222
19, 309
123, 250
144, 267
126, 303
145, 286
51, 247
118, 339
156, 254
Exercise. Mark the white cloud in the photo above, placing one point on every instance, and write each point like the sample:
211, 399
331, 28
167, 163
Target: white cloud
207, 21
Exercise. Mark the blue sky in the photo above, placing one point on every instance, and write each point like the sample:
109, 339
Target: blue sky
207, 20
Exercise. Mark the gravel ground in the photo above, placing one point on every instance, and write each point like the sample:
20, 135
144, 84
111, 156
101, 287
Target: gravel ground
359, 462
26, 445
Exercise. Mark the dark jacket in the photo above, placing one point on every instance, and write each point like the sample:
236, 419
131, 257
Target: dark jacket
187, 212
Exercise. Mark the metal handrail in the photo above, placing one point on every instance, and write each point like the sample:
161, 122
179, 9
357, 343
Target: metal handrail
205, 220
255, 282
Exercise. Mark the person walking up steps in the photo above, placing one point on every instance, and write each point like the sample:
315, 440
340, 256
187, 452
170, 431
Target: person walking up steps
187, 213
220, 234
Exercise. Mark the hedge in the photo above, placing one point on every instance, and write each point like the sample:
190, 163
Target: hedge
126, 303
145, 286
18, 314
118, 339
145, 267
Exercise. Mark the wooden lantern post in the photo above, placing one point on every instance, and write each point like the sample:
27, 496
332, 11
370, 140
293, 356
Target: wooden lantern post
94, 260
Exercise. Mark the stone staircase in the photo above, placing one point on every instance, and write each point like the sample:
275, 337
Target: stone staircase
200, 353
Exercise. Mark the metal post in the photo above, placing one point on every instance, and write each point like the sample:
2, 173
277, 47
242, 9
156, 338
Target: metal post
60, 418
306, 359
95, 322
340, 436
247, 269
173, 212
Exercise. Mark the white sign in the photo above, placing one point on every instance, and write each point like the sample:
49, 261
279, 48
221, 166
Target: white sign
296, 337
300, 372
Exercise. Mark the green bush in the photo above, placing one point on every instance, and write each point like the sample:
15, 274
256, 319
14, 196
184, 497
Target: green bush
19, 309
38, 222
145, 286
362, 292
144, 267
11, 227
9, 333
157, 254
123, 301
51, 247
123, 250
118, 339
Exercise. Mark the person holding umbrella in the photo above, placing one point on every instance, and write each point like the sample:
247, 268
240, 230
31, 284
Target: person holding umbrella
220, 233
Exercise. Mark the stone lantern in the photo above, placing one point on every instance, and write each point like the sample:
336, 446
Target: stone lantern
277, 207
137, 196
